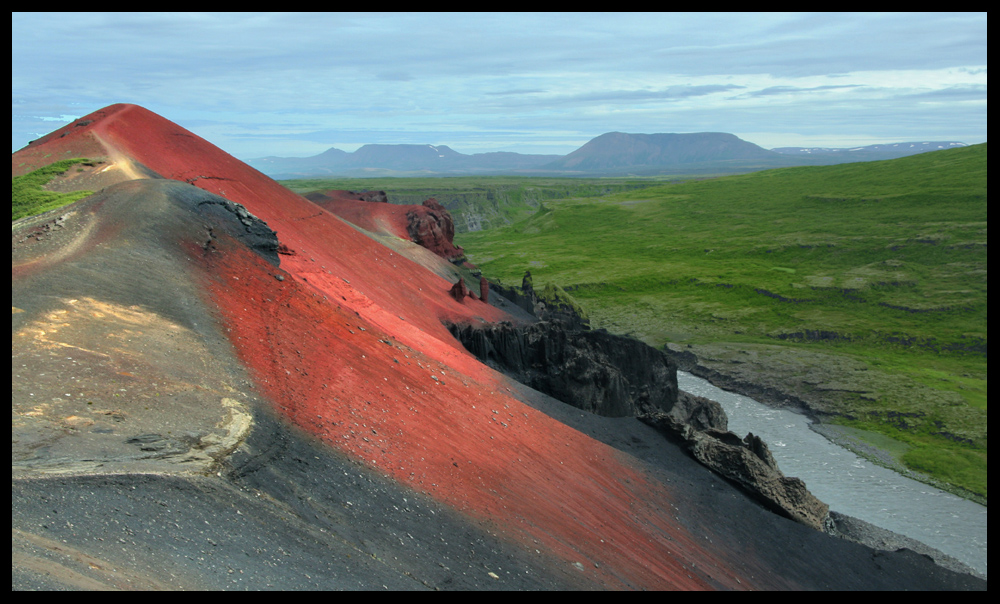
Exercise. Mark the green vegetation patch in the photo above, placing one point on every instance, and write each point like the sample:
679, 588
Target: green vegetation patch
557, 296
960, 467
28, 198
882, 263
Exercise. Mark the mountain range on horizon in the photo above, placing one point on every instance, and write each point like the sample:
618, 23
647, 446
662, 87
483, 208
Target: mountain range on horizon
610, 154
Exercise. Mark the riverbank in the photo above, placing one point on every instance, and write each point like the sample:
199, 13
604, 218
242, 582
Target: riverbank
866, 533
785, 387
871, 505
859, 442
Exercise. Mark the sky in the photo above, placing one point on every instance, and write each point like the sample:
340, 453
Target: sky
296, 84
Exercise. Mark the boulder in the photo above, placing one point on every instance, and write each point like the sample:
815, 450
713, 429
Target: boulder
460, 291
748, 463
431, 226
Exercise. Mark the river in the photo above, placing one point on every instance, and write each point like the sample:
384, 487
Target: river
852, 485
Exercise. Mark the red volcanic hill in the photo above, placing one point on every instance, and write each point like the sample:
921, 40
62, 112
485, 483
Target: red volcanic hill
429, 225
218, 383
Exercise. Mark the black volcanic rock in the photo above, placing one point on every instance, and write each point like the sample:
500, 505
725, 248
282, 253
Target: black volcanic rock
596, 371
617, 376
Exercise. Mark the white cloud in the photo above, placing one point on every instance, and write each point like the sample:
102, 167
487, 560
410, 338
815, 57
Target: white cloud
237, 76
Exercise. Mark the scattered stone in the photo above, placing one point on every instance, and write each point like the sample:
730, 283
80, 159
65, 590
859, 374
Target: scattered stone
460, 291
484, 290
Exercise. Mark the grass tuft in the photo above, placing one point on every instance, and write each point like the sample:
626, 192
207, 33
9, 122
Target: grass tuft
28, 198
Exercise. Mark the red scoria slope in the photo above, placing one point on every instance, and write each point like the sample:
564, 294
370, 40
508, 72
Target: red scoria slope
429, 224
348, 344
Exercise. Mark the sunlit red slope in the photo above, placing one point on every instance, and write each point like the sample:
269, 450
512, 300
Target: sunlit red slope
374, 216
428, 224
346, 340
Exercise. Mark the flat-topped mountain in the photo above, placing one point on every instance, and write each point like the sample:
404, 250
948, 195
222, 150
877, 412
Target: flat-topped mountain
616, 151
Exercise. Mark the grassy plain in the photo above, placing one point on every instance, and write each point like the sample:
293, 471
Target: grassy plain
27, 197
879, 267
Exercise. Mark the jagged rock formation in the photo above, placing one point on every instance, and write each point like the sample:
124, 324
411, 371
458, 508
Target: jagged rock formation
431, 226
552, 304
747, 462
460, 291
484, 290
617, 376
599, 372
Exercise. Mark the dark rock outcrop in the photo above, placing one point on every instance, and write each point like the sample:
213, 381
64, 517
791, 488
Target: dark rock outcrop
372, 196
523, 301
749, 464
617, 376
596, 371
432, 227
252, 231
551, 304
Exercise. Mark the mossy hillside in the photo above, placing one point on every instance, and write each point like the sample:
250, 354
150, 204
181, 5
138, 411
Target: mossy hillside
882, 263
28, 198
555, 295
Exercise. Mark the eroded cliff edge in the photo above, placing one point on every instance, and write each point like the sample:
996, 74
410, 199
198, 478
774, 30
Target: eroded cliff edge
617, 376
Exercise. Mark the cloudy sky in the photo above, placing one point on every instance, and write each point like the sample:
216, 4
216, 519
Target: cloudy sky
297, 84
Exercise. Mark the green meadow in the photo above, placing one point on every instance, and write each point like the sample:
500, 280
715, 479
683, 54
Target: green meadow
864, 282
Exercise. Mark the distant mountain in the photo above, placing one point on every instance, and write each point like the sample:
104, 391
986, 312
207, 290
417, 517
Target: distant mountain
326, 163
369, 159
868, 152
621, 152
610, 154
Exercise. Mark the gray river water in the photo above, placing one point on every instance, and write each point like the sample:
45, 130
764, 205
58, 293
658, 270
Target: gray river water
852, 485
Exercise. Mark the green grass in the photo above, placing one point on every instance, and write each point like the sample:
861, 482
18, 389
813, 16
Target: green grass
28, 198
886, 259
